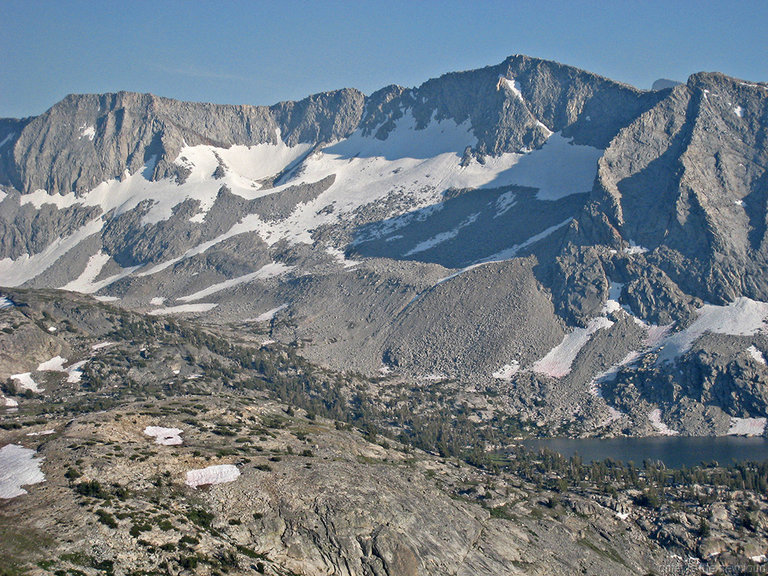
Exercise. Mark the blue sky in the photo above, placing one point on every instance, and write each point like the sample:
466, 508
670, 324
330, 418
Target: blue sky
263, 52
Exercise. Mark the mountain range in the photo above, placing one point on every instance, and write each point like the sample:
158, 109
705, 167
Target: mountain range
539, 242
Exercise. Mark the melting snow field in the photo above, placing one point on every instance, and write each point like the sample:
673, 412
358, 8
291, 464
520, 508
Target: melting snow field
164, 436
219, 474
5, 303
423, 163
747, 427
557, 363
18, 468
742, 317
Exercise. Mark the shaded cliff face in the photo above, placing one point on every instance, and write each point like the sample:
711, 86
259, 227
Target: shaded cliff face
526, 228
688, 178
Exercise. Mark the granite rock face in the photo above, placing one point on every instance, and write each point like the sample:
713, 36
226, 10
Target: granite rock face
105, 135
689, 177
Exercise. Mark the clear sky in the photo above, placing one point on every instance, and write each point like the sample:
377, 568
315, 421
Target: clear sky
263, 52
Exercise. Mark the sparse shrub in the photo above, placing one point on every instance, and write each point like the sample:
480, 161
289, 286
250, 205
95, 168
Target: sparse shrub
72, 473
106, 518
201, 517
91, 488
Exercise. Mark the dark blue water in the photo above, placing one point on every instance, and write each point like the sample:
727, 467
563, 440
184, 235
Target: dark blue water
674, 452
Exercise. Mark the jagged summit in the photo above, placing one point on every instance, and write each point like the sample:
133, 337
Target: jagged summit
104, 135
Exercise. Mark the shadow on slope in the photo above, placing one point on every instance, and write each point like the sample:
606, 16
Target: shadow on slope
468, 227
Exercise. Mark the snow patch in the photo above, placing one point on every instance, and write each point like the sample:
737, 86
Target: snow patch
610, 374
25, 382
557, 363
249, 223
42, 433
101, 345
753, 85
504, 203
40, 197
511, 85
442, 236
506, 254
507, 371
18, 467
635, 248
183, 309
87, 132
218, 474
268, 315
106, 298
654, 417
55, 364
655, 335
157, 301
747, 427
739, 111
575, 172
511, 252
6, 303
341, 258
756, 354
267, 271
164, 436
74, 372
86, 283
25, 267
7, 139
742, 317
614, 293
